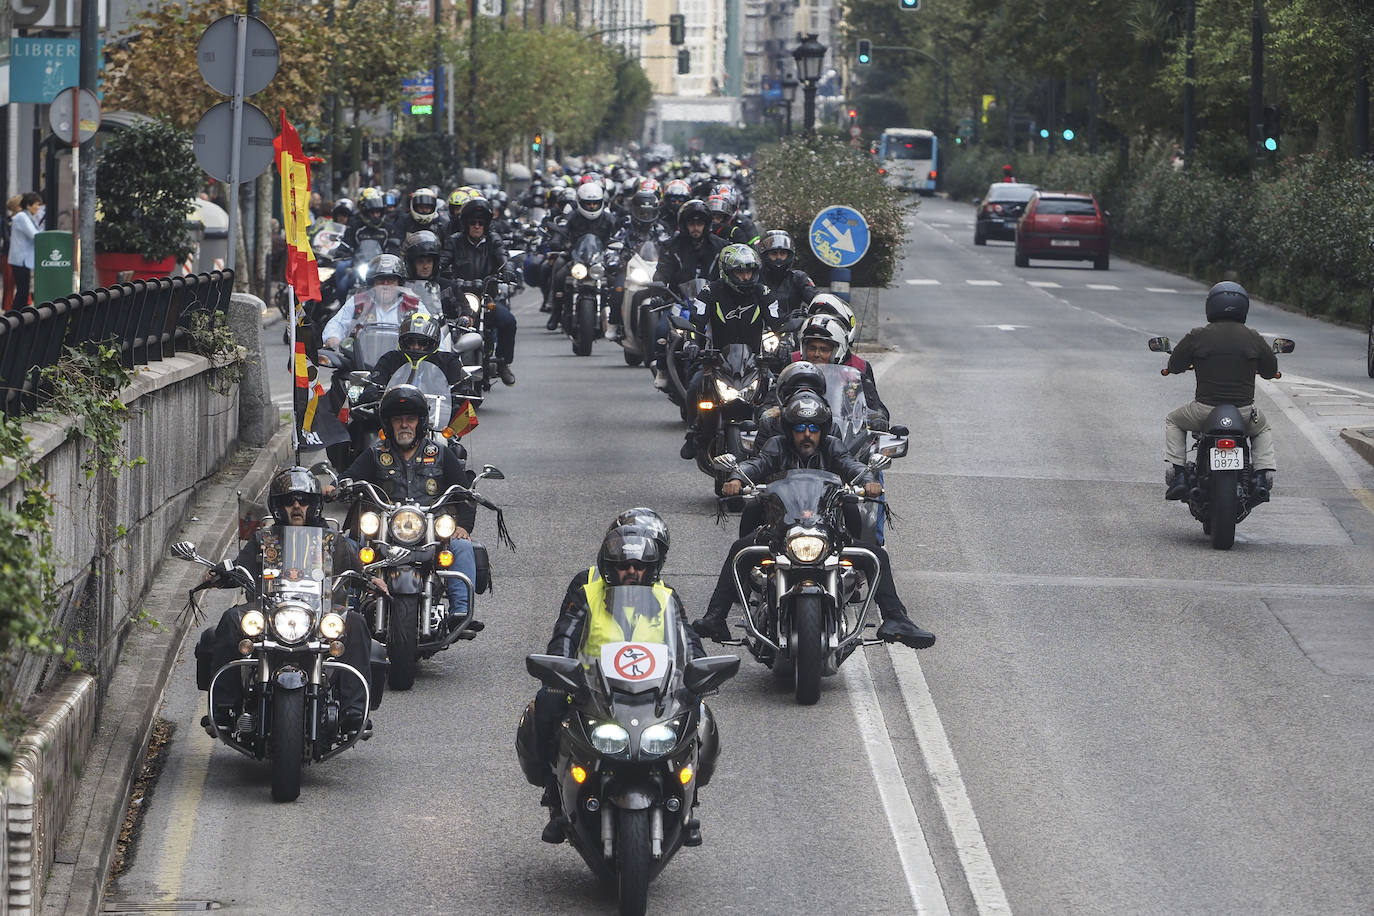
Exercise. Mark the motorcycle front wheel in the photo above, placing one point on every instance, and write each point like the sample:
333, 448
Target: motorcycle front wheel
633, 860
584, 326
1221, 509
287, 743
402, 627
806, 627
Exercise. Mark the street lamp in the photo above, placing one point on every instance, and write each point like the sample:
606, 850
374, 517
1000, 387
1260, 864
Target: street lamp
809, 55
789, 95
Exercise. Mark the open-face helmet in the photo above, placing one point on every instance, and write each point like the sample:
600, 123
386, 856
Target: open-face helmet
295, 484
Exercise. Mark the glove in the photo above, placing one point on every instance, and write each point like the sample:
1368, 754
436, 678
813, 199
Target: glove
690, 351
877, 421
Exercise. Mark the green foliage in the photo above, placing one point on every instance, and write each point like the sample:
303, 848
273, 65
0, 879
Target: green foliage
211, 337
428, 159
374, 45
85, 384
633, 94
146, 177
796, 178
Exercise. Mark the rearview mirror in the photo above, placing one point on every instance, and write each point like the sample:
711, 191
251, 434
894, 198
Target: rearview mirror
1160, 345
559, 673
326, 470
1283, 345
703, 675
682, 324
899, 430
491, 472
878, 461
726, 462
185, 550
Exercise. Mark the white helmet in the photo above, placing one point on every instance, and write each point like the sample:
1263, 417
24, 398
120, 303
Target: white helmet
829, 329
591, 199
830, 304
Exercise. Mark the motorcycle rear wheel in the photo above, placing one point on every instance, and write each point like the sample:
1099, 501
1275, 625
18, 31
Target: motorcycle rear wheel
633, 860
1221, 508
632, 359
584, 326
402, 625
806, 628
287, 743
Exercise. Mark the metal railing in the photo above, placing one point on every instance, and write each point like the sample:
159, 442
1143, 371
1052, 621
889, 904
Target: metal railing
147, 319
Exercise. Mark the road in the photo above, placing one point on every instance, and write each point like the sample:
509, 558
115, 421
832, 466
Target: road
1116, 718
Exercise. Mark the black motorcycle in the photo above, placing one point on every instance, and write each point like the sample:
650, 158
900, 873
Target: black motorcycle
587, 298
292, 639
733, 385
1221, 489
806, 593
638, 744
497, 288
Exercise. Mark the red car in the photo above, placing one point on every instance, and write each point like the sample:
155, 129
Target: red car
1063, 226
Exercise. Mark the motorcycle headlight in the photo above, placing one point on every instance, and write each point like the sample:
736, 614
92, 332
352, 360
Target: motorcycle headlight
291, 623
749, 390
473, 302
657, 740
444, 526
640, 275
579, 271
610, 738
331, 626
252, 623
597, 270
408, 526
354, 392
806, 548
362, 271
370, 523
726, 392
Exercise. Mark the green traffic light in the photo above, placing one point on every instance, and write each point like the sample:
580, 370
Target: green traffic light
1068, 134
1271, 144
1044, 133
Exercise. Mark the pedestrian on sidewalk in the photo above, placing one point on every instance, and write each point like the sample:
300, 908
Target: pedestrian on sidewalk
23, 228
11, 208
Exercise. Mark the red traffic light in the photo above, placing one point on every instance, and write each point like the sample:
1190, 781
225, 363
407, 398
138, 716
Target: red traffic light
853, 112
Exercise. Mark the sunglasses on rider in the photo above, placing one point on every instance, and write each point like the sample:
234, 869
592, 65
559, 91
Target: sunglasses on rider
295, 499
629, 565
806, 428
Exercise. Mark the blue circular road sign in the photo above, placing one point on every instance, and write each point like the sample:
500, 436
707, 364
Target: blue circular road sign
839, 236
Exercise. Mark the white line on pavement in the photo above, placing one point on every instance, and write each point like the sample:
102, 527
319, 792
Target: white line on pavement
1044, 284
1349, 477
923, 282
1159, 289
983, 282
1102, 286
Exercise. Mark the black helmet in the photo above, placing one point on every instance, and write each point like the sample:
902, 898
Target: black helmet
807, 408
405, 400
799, 376
777, 240
627, 543
646, 519
385, 265
419, 335
1228, 301
295, 483
644, 207
422, 244
722, 210
476, 208
372, 206
693, 210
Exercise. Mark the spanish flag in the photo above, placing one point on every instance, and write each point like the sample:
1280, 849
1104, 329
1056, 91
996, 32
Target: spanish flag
294, 168
464, 420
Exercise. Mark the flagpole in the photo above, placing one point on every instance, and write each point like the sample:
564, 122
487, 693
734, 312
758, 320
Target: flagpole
295, 419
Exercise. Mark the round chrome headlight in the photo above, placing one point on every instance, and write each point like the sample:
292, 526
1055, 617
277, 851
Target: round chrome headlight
370, 523
252, 623
657, 740
291, 623
610, 738
407, 527
579, 271
444, 526
331, 626
806, 548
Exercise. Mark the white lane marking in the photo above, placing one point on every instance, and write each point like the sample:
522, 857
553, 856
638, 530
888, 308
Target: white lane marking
1159, 289
1003, 327
941, 225
983, 282
1102, 286
1044, 284
981, 874
922, 282
918, 867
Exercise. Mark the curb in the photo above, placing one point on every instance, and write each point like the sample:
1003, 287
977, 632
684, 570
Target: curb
85, 850
1362, 441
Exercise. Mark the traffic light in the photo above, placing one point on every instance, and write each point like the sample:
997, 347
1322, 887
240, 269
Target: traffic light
1069, 134
853, 116
684, 61
865, 51
538, 143
909, 4
1272, 128
677, 29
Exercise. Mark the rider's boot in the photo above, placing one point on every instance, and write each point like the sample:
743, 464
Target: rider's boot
713, 625
898, 627
1176, 477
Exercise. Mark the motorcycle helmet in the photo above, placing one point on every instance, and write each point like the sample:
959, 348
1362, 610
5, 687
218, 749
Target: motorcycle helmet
675, 193
292, 484
722, 210
476, 209
807, 408
553, 197
628, 544
649, 184
644, 207
424, 206
799, 376
405, 400
830, 304
372, 206
591, 199
830, 329
739, 267
777, 240
692, 210
385, 265
343, 210
422, 244
419, 335
393, 199
650, 521
1228, 301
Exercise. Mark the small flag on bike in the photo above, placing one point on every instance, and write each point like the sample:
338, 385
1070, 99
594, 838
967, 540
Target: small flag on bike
464, 420
293, 165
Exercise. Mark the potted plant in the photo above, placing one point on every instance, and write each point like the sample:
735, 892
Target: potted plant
146, 178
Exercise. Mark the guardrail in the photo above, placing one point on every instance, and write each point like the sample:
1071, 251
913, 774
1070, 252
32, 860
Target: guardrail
147, 318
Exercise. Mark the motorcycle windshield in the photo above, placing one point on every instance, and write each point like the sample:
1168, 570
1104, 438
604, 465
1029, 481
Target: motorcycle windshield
367, 250
797, 496
648, 252
433, 384
738, 374
650, 653
587, 249
293, 567
844, 392
427, 291
371, 341
327, 236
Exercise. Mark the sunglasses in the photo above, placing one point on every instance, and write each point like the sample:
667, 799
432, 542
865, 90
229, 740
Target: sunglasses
479, 222
629, 565
806, 428
294, 500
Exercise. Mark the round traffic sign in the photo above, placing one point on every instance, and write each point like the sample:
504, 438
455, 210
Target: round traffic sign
839, 236
856, 131
217, 57
213, 142
72, 127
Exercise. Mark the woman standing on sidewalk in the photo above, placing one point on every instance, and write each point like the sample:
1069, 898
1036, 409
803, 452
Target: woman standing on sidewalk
23, 228
11, 208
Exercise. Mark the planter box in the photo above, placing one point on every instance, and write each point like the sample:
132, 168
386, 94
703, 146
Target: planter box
110, 264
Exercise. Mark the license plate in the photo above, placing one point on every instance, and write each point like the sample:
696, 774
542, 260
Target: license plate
1063, 243
1228, 459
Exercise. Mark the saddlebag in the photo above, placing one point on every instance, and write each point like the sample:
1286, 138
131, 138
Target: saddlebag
482, 584
205, 663
381, 665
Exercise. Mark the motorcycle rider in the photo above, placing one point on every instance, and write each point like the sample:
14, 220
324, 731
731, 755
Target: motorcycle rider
630, 554
737, 308
474, 255
418, 341
641, 227
793, 288
692, 254
1225, 355
294, 499
405, 464
824, 340
369, 222
675, 193
806, 445
728, 222
422, 215
382, 302
422, 252
590, 216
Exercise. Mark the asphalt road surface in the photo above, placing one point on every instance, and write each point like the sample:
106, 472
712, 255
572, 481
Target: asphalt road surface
1116, 718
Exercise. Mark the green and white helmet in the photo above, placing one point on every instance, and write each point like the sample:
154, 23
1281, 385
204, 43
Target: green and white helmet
739, 266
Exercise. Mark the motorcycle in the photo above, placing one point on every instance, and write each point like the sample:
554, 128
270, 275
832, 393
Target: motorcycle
498, 287
800, 590
637, 318
587, 300
1221, 490
680, 332
290, 648
639, 743
733, 385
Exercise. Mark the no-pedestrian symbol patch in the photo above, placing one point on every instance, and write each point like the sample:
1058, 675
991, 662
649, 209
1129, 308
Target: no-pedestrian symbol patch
634, 662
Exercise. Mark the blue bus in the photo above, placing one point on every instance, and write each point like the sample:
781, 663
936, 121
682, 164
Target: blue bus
909, 158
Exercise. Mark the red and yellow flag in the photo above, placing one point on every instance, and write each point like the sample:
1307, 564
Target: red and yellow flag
294, 167
464, 420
